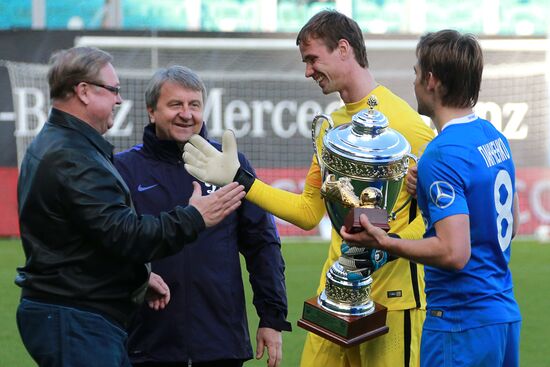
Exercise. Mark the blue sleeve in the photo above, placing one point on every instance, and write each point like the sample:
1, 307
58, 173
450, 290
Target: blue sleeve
121, 164
442, 179
261, 247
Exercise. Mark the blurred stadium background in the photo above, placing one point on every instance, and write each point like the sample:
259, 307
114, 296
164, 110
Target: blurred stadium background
245, 51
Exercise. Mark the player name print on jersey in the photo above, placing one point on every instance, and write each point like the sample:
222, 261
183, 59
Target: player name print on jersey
494, 152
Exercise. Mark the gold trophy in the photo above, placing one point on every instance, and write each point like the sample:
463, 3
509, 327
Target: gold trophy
369, 202
366, 157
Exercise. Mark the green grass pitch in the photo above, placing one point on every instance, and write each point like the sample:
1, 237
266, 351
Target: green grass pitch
530, 266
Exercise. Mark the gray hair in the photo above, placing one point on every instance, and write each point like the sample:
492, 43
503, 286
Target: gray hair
181, 75
72, 66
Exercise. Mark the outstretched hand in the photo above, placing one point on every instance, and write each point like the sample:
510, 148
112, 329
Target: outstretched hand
219, 204
371, 236
207, 164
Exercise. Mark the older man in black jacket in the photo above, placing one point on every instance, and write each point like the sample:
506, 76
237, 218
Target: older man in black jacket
85, 245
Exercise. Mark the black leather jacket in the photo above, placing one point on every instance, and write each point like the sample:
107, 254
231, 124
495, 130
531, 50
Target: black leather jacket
85, 246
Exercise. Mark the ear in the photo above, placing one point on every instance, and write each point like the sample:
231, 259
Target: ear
81, 91
150, 112
344, 48
431, 81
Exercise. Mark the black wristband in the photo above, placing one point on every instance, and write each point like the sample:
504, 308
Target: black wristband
244, 178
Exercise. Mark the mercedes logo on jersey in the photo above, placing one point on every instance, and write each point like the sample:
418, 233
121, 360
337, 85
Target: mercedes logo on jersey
442, 194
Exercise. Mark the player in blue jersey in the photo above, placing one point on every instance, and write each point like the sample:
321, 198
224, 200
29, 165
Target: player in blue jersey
467, 196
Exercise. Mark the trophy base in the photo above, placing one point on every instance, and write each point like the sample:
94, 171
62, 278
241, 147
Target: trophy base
343, 330
377, 216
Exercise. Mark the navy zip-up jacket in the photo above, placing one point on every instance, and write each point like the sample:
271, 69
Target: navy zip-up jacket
206, 317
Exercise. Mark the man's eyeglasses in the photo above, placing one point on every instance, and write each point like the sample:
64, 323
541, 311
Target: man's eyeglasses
110, 88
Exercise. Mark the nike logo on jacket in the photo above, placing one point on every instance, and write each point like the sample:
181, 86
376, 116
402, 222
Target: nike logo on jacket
145, 188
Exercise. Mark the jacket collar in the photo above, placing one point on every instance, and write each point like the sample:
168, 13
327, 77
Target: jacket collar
165, 150
66, 120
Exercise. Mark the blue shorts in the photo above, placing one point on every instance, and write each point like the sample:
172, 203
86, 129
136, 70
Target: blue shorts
494, 345
64, 336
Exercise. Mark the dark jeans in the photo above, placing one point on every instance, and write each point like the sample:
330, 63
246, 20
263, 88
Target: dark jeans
220, 363
59, 336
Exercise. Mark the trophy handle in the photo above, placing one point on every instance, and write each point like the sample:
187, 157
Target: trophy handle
393, 214
314, 133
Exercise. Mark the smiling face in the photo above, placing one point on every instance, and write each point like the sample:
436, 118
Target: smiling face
102, 101
322, 65
178, 113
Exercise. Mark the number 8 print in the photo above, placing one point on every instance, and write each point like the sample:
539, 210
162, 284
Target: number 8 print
504, 211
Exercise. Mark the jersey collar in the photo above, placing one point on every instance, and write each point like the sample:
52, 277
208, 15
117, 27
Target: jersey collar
461, 120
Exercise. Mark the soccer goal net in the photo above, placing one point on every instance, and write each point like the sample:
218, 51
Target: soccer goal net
257, 88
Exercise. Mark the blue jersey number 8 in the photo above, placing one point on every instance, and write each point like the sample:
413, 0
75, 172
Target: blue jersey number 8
504, 210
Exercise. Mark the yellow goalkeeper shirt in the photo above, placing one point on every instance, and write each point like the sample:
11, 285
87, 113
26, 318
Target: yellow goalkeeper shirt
399, 284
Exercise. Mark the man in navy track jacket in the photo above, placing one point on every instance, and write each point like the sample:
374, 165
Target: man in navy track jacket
205, 323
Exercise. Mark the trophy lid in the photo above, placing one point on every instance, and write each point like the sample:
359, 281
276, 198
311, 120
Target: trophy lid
367, 139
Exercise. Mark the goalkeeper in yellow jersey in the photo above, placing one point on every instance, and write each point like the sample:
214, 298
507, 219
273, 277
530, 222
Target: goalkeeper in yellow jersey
333, 49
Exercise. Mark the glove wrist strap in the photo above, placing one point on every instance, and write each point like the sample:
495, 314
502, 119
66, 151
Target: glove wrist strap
244, 178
